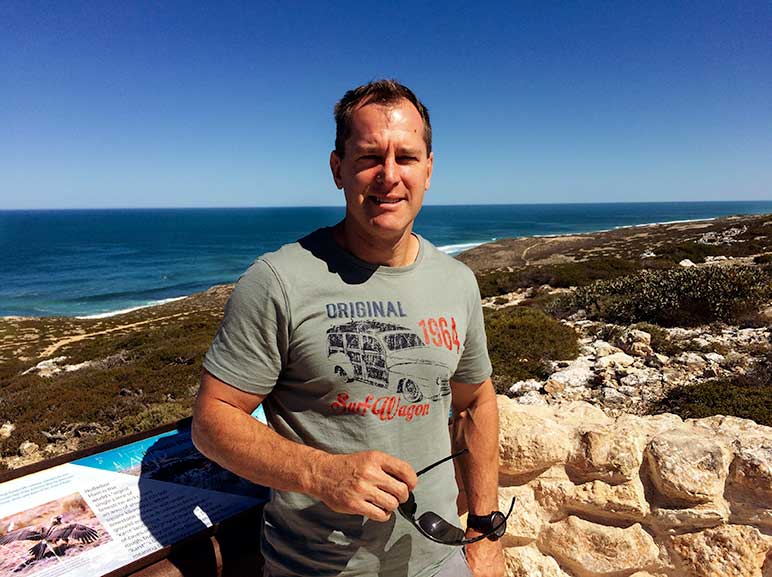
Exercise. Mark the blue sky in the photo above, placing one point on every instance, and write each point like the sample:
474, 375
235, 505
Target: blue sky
153, 104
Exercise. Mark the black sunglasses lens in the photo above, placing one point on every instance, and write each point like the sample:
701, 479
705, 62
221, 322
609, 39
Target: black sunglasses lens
408, 508
439, 528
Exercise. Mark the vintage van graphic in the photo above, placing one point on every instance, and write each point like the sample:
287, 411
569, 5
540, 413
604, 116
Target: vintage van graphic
388, 356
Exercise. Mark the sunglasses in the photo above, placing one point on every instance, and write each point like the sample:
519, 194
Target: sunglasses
437, 529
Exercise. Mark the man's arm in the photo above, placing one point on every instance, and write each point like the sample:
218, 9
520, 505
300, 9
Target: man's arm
368, 483
478, 430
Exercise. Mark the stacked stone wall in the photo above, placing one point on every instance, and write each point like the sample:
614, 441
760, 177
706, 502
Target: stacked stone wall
631, 496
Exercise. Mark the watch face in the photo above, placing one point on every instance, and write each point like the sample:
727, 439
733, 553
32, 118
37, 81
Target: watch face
499, 523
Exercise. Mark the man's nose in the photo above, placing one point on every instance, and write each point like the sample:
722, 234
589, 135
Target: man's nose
389, 172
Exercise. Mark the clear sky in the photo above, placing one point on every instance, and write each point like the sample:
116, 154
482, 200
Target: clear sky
148, 104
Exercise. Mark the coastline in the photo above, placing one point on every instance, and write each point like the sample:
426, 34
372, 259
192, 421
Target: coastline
453, 249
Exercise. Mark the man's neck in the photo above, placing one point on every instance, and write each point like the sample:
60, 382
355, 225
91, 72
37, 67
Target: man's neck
398, 251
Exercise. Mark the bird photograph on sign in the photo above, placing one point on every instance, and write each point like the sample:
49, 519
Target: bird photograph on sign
48, 534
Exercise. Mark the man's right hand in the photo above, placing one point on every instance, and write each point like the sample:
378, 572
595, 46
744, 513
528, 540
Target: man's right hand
370, 483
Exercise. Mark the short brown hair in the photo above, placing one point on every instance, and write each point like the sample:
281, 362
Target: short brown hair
381, 92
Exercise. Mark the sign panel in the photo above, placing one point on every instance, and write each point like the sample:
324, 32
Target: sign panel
94, 515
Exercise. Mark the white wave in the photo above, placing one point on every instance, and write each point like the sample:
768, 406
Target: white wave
128, 310
663, 222
452, 249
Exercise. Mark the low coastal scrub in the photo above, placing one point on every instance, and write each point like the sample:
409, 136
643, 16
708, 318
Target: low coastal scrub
561, 275
522, 340
678, 297
747, 396
152, 382
694, 251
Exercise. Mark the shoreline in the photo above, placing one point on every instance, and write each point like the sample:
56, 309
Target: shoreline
449, 249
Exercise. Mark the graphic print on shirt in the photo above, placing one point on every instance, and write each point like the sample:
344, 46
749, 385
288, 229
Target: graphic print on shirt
388, 356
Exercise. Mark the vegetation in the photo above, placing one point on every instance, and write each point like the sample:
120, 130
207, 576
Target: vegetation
561, 275
746, 396
151, 379
521, 340
694, 251
678, 297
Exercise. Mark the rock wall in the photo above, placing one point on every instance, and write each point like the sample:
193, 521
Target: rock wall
631, 496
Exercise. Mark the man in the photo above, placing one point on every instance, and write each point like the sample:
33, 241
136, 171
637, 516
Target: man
353, 339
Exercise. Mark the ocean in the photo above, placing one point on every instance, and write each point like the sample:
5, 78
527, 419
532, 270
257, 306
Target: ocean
93, 263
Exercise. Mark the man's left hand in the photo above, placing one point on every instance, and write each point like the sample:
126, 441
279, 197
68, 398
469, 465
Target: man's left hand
485, 558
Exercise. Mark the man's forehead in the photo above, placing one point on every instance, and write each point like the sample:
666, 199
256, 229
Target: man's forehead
370, 119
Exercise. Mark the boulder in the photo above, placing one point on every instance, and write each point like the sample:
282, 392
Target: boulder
592, 550
687, 468
729, 551
693, 361
610, 455
615, 360
528, 561
529, 442
686, 263
6, 429
578, 374
522, 387
27, 448
637, 343
604, 349
625, 502
527, 517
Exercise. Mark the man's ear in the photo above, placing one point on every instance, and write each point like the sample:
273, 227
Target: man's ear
429, 168
335, 163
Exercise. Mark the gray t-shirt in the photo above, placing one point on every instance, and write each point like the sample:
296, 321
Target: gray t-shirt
355, 357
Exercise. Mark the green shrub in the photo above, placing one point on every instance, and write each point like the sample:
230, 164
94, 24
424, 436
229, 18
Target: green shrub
521, 341
694, 251
561, 275
678, 297
747, 396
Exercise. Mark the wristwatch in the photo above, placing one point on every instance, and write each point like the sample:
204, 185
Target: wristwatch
495, 523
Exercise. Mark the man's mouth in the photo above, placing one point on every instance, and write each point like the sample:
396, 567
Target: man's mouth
382, 200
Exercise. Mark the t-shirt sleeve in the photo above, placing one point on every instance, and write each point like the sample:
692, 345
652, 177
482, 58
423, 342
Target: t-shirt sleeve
474, 366
250, 347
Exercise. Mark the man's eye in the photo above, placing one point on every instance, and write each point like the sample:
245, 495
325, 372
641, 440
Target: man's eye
406, 159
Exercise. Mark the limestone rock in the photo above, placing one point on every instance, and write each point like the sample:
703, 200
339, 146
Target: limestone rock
693, 361
614, 455
637, 343
577, 374
615, 360
28, 448
690, 518
729, 551
581, 413
529, 562
588, 549
687, 468
553, 387
527, 517
686, 263
6, 430
522, 387
625, 502
749, 485
532, 398
528, 442
604, 349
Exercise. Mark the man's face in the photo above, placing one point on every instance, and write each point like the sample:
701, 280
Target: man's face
385, 169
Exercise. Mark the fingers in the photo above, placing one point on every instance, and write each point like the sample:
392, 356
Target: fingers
370, 483
402, 471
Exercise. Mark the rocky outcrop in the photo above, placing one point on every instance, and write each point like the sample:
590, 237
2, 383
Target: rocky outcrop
634, 496
628, 375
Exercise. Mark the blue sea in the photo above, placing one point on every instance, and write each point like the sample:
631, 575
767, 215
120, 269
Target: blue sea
95, 263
